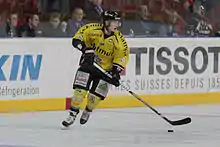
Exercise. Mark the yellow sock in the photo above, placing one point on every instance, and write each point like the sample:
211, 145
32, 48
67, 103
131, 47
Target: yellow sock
78, 97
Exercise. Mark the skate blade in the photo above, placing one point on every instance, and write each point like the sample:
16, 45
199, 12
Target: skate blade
62, 127
65, 127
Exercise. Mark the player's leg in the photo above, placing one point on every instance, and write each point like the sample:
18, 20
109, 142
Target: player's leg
97, 93
80, 90
76, 101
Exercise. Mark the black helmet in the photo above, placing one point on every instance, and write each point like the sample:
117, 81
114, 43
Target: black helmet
110, 15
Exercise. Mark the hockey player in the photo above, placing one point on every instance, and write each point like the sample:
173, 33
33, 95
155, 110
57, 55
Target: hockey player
104, 45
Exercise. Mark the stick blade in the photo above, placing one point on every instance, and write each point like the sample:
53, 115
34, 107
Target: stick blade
181, 122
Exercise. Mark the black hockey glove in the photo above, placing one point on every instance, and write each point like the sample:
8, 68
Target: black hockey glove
88, 57
115, 76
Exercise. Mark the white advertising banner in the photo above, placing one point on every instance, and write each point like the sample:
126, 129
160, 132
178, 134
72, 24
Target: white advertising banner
161, 66
36, 68
45, 68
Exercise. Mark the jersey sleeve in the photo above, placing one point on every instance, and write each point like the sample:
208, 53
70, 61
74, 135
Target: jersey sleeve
81, 34
121, 55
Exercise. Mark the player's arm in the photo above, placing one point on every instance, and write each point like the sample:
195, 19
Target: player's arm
121, 57
81, 42
80, 39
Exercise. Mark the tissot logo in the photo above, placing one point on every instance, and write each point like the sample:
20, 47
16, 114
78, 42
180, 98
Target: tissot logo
180, 60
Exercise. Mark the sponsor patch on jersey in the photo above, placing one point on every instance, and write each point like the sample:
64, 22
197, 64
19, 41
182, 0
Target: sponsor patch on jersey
123, 60
81, 78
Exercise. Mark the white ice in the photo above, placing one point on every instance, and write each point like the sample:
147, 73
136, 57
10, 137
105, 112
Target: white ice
132, 127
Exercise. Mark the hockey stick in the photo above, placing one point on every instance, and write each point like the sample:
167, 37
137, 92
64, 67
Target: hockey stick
174, 123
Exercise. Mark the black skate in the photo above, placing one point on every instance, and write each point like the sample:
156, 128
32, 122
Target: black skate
84, 117
70, 119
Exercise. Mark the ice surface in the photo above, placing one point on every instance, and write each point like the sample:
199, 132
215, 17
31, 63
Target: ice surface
132, 127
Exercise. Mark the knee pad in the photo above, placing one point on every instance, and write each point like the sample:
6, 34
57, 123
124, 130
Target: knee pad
92, 101
77, 98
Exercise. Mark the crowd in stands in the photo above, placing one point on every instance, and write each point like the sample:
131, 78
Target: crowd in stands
59, 18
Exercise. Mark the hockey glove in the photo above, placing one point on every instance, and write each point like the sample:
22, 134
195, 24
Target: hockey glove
115, 76
88, 57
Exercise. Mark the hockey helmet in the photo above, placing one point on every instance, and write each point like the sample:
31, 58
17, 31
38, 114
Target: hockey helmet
110, 15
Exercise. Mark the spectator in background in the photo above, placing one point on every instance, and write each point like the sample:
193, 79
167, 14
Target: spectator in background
53, 27
159, 16
64, 21
141, 26
198, 24
203, 28
144, 19
11, 25
93, 10
175, 21
143, 12
157, 9
75, 22
30, 28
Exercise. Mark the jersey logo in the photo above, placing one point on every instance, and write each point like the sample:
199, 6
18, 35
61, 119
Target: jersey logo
123, 60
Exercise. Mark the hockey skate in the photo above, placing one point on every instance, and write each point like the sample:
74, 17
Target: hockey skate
84, 117
70, 119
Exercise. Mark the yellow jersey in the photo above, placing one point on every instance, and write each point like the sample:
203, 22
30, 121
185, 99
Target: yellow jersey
108, 51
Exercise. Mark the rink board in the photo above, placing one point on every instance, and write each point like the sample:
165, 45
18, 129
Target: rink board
37, 74
53, 104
